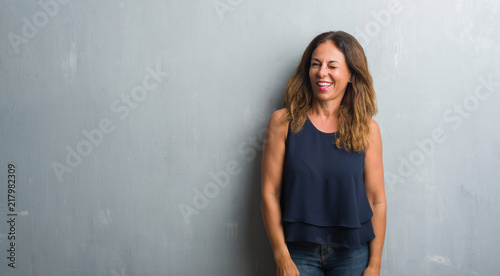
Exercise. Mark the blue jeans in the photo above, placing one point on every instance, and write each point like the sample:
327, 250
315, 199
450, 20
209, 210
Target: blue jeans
314, 259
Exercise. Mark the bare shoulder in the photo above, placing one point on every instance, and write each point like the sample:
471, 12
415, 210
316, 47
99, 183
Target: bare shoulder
278, 115
277, 118
277, 123
375, 129
374, 137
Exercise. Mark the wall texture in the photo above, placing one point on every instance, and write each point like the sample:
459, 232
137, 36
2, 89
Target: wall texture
131, 131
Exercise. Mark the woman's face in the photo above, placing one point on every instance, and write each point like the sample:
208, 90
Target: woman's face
328, 73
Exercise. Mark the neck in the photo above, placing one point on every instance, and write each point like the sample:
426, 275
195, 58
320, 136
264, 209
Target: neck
325, 109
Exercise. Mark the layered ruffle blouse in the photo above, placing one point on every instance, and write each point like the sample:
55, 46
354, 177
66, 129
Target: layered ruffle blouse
323, 197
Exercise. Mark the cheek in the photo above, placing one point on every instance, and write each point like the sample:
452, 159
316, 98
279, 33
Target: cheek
341, 77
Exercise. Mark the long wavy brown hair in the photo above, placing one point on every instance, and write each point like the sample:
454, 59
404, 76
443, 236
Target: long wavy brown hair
358, 105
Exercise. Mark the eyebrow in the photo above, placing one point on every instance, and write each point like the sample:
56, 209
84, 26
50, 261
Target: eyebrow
331, 61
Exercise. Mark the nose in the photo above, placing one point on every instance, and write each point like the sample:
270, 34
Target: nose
323, 71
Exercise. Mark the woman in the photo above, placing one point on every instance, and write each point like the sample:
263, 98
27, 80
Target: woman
323, 198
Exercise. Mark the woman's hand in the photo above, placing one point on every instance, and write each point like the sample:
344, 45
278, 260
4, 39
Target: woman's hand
371, 271
286, 267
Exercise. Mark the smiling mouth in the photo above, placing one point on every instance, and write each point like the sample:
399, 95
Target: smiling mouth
323, 85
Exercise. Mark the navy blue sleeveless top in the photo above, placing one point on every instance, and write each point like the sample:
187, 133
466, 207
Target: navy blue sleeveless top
323, 197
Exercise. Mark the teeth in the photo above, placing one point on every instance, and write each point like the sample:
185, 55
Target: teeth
324, 83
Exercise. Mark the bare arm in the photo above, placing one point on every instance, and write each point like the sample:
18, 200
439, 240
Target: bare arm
273, 156
374, 185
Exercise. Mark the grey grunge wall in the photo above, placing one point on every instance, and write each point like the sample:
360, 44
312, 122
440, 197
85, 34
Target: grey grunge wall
131, 131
